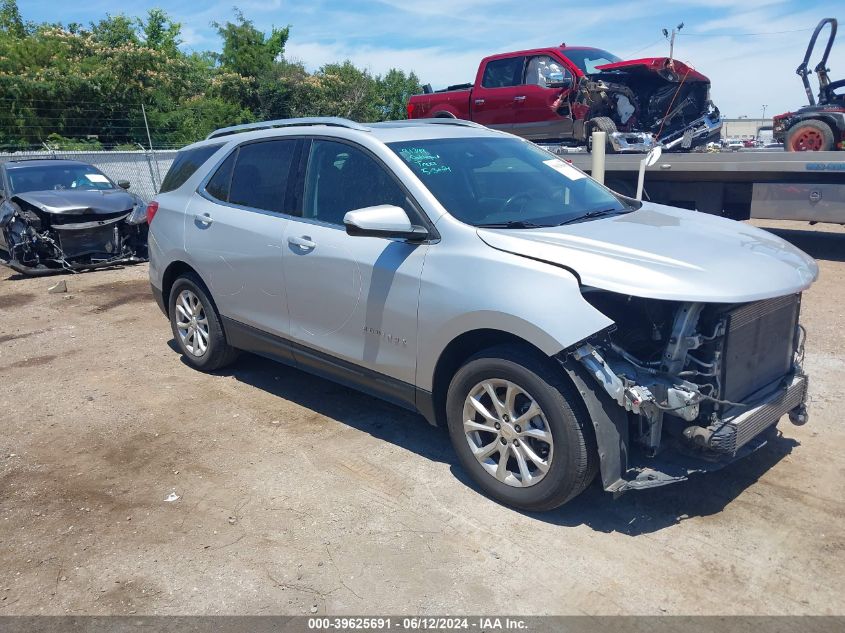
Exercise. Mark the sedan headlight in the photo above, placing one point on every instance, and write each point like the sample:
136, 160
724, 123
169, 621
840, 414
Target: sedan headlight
139, 213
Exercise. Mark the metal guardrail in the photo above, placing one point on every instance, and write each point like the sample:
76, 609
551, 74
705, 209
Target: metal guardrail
143, 169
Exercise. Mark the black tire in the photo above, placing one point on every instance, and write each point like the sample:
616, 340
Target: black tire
574, 460
218, 352
601, 124
809, 135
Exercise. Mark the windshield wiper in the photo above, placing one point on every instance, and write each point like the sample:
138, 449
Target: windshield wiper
513, 224
594, 214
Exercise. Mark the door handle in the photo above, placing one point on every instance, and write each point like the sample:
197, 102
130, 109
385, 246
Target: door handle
519, 98
479, 102
205, 218
302, 242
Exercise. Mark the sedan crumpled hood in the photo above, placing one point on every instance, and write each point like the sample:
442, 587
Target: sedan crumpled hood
79, 202
661, 252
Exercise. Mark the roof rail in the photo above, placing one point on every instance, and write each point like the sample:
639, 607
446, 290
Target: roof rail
451, 121
267, 125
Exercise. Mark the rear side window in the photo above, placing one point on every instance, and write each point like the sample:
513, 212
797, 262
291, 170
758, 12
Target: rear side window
185, 165
218, 186
501, 73
260, 176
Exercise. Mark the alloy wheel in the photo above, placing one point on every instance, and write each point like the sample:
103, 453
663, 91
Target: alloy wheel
192, 323
508, 433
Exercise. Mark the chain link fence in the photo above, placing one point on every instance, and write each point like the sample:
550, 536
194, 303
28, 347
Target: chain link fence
143, 169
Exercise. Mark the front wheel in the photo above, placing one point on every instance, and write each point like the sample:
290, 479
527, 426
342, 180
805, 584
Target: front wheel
520, 429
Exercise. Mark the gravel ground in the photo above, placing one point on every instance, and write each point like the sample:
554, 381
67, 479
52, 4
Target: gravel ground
298, 496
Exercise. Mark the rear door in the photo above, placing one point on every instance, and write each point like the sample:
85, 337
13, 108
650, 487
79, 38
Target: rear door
235, 231
543, 112
495, 97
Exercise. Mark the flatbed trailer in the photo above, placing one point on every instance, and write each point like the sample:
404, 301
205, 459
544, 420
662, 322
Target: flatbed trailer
741, 185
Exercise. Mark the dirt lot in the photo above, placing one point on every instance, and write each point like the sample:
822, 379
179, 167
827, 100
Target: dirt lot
300, 496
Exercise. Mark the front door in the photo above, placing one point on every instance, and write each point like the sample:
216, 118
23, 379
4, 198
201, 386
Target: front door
544, 112
235, 231
351, 298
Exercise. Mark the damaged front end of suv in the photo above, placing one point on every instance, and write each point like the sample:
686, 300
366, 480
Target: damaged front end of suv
694, 386
697, 349
69, 227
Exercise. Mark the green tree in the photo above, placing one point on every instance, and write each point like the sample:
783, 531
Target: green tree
246, 50
394, 90
116, 30
161, 32
11, 21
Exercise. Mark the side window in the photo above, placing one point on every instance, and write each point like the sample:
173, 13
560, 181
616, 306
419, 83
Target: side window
185, 165
501, 73
260, 176
341, 178
542, 70
218, 186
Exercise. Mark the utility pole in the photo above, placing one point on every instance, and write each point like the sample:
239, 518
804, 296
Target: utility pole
671, 38
764, 111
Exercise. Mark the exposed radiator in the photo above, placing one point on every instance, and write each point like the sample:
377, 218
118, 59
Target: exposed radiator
759, 345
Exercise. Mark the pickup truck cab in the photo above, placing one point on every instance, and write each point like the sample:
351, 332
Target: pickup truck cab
564, 93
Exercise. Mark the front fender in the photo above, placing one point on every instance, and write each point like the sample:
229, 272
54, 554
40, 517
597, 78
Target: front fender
473, 287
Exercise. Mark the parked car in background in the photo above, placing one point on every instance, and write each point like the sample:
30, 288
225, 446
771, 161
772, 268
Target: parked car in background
565, 93
67, 215
556, 328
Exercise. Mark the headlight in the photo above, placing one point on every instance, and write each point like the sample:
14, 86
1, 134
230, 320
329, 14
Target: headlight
138, 215
6, 212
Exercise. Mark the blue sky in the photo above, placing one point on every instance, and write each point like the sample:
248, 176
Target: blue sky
748, 48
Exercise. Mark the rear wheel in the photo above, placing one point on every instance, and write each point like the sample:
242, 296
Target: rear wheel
520, 430
196, 325
809, 136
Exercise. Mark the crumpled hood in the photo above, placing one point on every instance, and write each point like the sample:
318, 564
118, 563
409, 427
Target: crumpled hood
670, 70
661, 252
79, 202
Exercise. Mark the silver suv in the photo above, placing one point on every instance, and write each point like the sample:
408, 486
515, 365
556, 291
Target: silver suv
556, 328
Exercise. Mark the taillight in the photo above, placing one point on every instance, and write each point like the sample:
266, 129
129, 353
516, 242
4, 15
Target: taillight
410, 110
152, 208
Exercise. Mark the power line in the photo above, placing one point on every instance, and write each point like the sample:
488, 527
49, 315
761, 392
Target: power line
639, 50
743, 34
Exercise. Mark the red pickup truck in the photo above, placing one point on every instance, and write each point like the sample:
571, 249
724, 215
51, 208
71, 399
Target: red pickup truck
562, 94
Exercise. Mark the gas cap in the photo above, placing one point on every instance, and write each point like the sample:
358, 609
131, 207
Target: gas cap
815, 196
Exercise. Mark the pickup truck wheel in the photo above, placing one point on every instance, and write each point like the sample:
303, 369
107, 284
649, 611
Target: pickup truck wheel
809, 136
196, 325
601, 124
520, 430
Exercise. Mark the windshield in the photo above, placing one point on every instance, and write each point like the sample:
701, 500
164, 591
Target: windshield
46, 177
505, 182
588, 58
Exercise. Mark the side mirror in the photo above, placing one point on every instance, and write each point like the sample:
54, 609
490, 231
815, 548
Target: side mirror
565, 83
384, 220
123, 184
